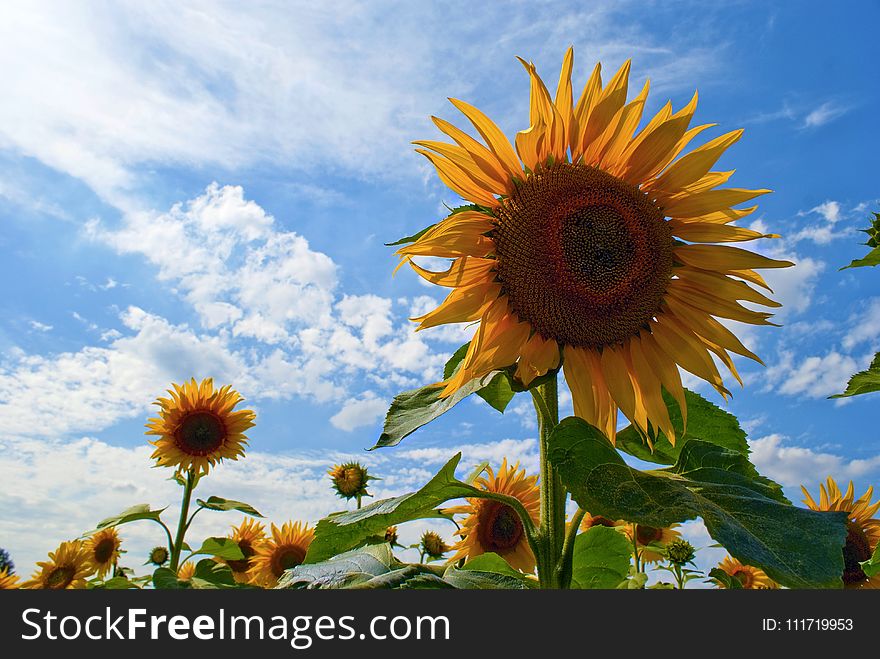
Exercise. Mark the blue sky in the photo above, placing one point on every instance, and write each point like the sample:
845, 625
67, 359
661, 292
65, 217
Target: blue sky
187, 189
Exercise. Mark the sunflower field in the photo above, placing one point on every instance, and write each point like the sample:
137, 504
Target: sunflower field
586, 249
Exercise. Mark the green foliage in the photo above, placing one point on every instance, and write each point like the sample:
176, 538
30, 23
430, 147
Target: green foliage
743, 511
863, 382
411, 239
601, 558
871, 567
219, 503
225, 548
479, 580
872, 258
706, 421
721, 577
166, 579
133, 514
346, 530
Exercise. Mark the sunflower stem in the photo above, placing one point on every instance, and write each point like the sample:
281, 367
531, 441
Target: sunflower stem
565, 562
188, 488
551, 531
635, 541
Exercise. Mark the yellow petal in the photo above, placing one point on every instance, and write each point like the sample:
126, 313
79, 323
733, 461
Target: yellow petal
723, 286
688, 351
457, 180
483, 157
463, 160
538, 356
648, 384
710, 201
495, 139
665, 368
464, 271
610, 101
725, 216
619, 133
716, 306
723, 258
589, 97
462, 305
700, 232
590, 397
654, 150
694, 165
564, 99
617, 378
709, 328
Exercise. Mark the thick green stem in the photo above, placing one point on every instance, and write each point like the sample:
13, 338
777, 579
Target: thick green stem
635, 541
565, 561
551, 531
182, 523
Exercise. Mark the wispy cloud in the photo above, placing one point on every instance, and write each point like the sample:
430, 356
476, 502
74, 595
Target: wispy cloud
825, 113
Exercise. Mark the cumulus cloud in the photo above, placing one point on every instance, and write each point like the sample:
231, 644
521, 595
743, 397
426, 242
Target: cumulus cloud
365, 410
813, 376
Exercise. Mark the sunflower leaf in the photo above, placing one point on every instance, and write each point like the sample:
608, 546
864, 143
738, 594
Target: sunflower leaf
219, 503
705, 421
342, 531
721, 577
480, 580
863, 382
166, 579
411, 239
500, 390
871, 567
796, 547
413, 409
341, 571
225, 548
601, 559
133, 514
212, 575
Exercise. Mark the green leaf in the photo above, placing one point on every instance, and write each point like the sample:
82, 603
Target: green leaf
721, 577
798, 548
115, 583
863, 382
872, 258
871, 567
412, 409
601, 558
344, 570
165, 579
346, 530
705, 421
479, 580
219, 503
225, 548
133, 514
408, 577
452, 364
210, 574
492, 562
498, 393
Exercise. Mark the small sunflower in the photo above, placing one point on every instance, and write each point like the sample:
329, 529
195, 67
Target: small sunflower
863, 529
594, 243
287, 548
647, 536
751, 578
103, 550
391, 536
158, 556
8, 581
432, 545
68, 567
492, 526
680, 552
198, 428
350, 480
186, 571
247, 535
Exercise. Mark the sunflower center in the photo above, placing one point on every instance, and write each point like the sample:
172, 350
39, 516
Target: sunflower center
648, 534
287, 557
584, 257
60, 577
200, 433
104, 550
502, 529
857, 549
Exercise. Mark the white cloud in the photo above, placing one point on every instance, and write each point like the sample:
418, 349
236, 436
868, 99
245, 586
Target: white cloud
865, 326
813, 376
825, 113
359, 412
822, 234
40, 327
793, 466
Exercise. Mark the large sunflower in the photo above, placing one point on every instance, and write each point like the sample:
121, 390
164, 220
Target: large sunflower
751, 578
8, 581
863, 529
287, 548
67, 568
197, 426
493, 526
247, 535
103, 550
590, 241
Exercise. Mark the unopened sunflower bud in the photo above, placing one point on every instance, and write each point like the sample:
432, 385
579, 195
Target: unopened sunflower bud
433, 546
680, 552
158, 556
350, 480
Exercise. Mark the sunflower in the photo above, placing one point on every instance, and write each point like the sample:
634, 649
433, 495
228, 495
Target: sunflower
8, 581
350, 480
158, 556
863, 529
432, 545
67, 567
647, 536
593, 243
493, 526
197, 427
286, 549
247, 535
589, 521
103, 550
186, 571
751, 578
